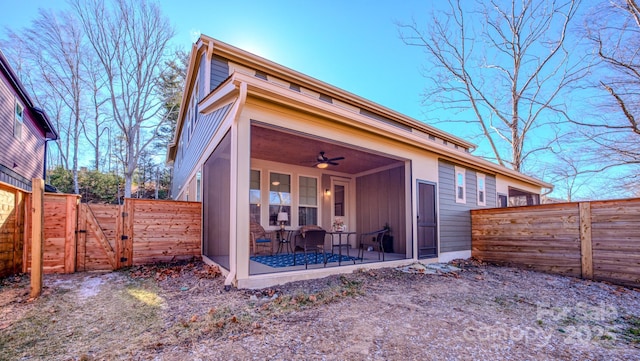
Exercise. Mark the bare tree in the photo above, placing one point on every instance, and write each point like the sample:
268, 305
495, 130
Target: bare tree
97, 123
130, 39
614, 30
505, 66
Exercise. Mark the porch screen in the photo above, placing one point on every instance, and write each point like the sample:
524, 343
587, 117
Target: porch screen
216, 181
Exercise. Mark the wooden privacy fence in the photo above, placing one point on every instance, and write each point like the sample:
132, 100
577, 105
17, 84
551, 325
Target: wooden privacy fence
597, 240
13, 217
83, 237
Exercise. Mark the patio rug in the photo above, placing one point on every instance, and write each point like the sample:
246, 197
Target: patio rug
286, 260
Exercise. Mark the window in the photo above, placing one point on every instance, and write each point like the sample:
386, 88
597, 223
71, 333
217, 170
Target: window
308, 209
198, 186
279, 197
18, 121
503, 200
254, 196
519, 197
460, 185
482, 201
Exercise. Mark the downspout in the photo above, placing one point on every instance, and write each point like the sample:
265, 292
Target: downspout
233, 239
44, 166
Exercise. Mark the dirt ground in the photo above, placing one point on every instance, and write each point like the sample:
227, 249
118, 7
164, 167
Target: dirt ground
181, 312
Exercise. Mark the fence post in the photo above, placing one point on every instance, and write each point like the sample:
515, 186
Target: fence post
37, 236
586, 250
71, 211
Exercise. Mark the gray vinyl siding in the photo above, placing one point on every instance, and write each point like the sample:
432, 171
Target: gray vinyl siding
455, 218
219, 71
203, 132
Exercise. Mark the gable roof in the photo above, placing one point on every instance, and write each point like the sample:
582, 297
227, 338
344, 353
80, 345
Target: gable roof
41, 119
370, 109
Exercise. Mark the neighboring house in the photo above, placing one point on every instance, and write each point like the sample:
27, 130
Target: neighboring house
248, 145
24, 132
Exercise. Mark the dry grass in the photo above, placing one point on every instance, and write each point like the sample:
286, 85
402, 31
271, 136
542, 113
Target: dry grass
181, 311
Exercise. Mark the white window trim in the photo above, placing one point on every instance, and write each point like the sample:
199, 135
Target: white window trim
480, 176
460, 170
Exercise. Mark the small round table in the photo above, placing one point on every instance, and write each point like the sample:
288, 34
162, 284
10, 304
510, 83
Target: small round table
284, 242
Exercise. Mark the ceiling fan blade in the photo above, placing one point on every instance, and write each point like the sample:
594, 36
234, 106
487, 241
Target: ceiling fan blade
334, 159
332, 163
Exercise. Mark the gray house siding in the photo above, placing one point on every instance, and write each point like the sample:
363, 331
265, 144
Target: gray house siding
219, 71
206, 127
455, 219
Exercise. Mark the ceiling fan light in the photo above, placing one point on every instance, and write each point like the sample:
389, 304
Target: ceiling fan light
322, 165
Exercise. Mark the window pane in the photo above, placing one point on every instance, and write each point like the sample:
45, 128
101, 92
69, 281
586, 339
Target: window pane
255, 180
307, 216
254, 213
460, 192
254, 196
280, 189
338, 198
308, 191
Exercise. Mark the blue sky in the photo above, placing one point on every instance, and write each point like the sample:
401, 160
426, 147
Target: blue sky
353, 44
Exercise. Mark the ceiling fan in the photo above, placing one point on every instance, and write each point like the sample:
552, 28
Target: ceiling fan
323, 161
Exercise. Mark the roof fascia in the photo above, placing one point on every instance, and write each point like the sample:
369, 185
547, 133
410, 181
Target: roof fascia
186, 93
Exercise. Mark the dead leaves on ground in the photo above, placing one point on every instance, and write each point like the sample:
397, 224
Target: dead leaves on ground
161, 272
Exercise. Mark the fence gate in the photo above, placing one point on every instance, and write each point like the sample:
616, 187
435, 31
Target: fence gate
99, 237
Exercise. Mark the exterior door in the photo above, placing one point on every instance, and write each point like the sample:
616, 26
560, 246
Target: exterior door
340, 209
427, 221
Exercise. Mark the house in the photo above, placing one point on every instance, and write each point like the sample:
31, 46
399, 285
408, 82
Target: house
256, 141
24, 132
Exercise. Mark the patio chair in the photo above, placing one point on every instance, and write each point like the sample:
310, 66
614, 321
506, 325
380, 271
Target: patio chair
260, 238
299, 235
371, 239
311, 241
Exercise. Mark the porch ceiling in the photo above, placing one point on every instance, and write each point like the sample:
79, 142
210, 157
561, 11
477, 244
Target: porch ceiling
302, 150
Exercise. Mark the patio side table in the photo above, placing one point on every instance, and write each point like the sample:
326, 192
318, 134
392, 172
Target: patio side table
340, 244
284, 241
